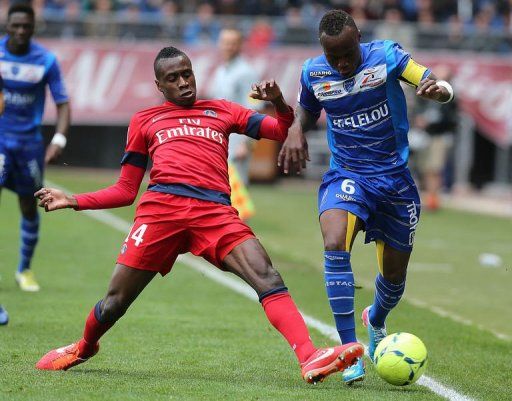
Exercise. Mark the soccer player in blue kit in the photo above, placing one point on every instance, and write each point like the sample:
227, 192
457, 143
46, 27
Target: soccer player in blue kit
368, 186
27, 68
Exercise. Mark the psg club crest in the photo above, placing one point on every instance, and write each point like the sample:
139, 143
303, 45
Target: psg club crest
348, 84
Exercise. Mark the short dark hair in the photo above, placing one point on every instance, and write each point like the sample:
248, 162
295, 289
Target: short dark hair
21, 8
334, 21
167, 52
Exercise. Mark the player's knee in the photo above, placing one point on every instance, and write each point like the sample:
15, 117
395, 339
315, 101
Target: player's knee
113, 308
268, 278
334, 243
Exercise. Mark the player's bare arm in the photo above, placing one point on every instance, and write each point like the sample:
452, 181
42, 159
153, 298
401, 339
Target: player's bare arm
294, 152
58, 143
53, 199
433, 89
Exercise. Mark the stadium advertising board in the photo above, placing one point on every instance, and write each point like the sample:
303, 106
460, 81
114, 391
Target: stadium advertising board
108, 82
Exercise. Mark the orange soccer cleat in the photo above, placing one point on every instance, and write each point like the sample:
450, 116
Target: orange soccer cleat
325, 361
64, 358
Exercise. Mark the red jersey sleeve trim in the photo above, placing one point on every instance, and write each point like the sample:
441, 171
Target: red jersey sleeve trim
122, 193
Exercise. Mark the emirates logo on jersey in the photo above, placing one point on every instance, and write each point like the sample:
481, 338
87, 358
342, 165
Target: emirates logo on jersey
190, 127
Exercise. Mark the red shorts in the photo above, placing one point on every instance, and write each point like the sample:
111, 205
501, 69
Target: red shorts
168, 225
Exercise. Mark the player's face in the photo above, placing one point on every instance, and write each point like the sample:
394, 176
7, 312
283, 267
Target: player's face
20, 28
342, 51
176, 80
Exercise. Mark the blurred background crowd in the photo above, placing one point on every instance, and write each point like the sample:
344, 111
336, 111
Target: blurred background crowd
481, 25
469, 42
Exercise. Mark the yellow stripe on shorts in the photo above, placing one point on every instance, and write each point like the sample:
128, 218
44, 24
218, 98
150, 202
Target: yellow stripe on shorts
351, 225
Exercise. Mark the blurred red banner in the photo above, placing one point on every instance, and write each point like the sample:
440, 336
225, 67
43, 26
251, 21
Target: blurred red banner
108, 82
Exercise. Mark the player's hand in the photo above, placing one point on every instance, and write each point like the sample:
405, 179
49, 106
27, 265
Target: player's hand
294, 152
266, 90
429, 89
52, 153
54, 199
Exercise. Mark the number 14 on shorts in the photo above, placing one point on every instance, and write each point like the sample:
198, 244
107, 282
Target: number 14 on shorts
137, 235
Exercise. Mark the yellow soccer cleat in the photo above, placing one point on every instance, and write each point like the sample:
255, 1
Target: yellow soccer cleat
27, 281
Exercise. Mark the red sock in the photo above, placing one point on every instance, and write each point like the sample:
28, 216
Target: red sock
285, 317
94, 329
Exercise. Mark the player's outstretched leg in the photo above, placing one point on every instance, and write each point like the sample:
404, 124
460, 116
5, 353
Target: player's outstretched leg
66, 357
126, 284
80, 351
316, 364
250, 261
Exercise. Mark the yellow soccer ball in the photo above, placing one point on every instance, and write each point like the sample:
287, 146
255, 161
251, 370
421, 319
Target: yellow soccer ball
400, 359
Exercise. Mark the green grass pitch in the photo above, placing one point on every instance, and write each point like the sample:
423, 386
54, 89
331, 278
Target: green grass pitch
189, 338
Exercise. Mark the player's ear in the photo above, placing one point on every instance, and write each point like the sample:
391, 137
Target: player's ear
157, 83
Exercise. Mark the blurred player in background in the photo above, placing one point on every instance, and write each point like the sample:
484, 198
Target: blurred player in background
4, 317
232, 81
439, 122
27, 68
369, 186
187, 209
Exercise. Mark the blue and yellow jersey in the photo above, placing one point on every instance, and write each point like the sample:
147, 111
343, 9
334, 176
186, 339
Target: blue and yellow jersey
25, 78
366, 114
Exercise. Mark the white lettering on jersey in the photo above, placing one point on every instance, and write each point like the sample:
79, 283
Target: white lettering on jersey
365, 118
164, 135
18, 99
21, 72
367, 79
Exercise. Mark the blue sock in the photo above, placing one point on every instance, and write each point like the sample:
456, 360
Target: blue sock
339, 283
387, 296
29, 234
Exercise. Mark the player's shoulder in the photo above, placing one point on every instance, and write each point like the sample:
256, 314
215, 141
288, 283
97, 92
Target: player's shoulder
39, 50
147, 114
387, 45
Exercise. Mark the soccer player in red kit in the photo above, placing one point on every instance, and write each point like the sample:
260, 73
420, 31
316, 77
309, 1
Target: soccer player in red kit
187, 209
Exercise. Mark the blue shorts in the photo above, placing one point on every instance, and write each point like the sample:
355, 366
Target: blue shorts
21, 163
389, 205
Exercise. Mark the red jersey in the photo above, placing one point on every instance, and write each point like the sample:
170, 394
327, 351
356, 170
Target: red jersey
188, 147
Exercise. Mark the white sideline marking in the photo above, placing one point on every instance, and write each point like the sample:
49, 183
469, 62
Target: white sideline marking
203, 267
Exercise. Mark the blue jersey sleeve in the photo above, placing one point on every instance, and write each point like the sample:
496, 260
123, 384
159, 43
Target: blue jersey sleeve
307, 99
56, 83
401, 57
